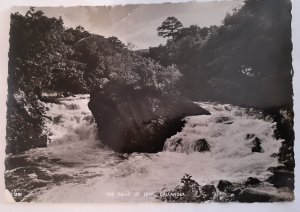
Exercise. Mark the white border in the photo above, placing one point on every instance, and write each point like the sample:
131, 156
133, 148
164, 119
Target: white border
230, 207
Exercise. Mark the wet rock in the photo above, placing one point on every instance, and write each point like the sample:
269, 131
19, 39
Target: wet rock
252, 195
66, 93
249, 136
191, 190
274, 155
129, 121
251, 181
256, 145
222, 119
282, 178
225, 185
286, 156
265, 194
202, 146
227, 108
283, 117
208, 192
236, 191
289, 164
12, 162
58, 119
178, 143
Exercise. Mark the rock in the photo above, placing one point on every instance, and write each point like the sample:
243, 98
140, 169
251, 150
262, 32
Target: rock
129, 121
289, 164
229, 192
252, 181
66, 93
249, 136
283, 117
202, 146
257, 145
58, 119
286, 155
178, 143
253, 195
282, 178
236, 191
222, 119
207, 192
265, 194
225, 185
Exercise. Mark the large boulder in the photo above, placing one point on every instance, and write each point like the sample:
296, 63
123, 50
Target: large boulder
132, 121
282, 177
265, 194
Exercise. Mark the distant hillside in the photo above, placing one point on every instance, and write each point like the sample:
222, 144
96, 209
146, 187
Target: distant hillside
142, 51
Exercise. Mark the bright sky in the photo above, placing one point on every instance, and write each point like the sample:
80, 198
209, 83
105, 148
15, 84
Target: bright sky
137, 23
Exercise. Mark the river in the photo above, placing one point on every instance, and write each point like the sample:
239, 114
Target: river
76, 167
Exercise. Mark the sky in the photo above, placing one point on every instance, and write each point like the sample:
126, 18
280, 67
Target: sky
137, 23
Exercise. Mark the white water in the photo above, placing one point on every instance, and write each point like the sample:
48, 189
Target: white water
103, 172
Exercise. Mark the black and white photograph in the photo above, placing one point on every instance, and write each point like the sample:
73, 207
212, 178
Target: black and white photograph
173, 102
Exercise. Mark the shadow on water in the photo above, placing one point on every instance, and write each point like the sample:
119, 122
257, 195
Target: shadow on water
25, 177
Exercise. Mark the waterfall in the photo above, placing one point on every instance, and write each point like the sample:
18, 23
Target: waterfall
229, 132
70, 121
78, 168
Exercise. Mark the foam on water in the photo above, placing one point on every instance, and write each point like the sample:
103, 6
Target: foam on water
73, 136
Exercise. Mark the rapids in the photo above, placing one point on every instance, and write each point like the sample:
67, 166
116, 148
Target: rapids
94, 173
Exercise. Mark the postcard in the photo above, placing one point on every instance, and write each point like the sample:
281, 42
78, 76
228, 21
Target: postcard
183, 102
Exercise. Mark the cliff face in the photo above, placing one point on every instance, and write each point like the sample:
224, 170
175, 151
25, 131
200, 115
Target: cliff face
130, 121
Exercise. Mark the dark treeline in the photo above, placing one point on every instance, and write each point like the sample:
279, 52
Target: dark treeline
245, 61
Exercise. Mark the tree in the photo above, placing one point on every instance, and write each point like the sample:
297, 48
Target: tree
36, 48
116, 43
169, 28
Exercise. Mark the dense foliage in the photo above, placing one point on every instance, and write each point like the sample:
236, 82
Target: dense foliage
245, 61
44, 56
111, 65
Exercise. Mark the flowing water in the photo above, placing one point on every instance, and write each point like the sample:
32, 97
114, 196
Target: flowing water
75, 167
